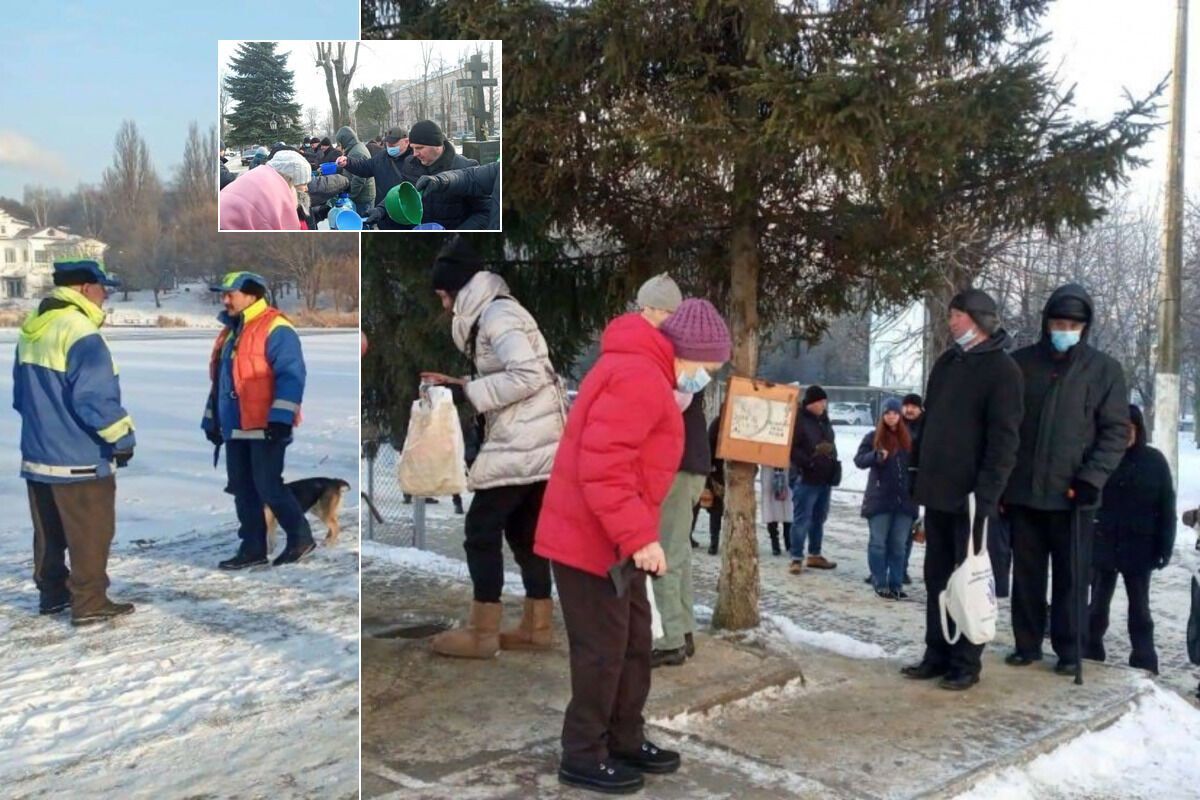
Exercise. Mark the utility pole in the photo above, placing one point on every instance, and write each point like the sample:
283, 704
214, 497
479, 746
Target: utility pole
1166, 366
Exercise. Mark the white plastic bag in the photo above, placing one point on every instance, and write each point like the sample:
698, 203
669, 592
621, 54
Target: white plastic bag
970, 596
433, 461
656, 628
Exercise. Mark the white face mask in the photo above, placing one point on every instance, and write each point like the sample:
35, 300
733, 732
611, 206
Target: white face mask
967, 338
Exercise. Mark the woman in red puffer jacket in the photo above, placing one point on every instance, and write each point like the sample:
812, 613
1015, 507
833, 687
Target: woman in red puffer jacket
615, 465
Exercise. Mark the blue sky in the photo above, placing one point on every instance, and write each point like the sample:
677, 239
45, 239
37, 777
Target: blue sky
75, 70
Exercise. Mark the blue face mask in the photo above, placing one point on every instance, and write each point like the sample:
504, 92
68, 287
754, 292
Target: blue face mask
393, 151
1064, 340
694, 384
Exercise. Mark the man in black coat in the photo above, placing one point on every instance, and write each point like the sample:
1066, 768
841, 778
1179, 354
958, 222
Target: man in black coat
968, 445
432, 155
1074, 434
1135, 534
385, 168
815, 471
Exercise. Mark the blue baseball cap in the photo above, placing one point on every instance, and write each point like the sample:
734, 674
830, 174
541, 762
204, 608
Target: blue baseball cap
236, 282
80, 271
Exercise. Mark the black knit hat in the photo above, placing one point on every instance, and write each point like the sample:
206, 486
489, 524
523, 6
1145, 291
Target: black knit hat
913, 399
455, 265
980, 307
326, 143
813, 394
1068, 307
426, 132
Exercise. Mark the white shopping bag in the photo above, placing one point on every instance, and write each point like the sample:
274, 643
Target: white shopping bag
970, 596
433, 461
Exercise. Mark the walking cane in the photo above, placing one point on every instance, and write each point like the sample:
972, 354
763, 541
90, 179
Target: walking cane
1078, 585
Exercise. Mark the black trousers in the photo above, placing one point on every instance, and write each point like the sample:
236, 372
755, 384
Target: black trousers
1042, 540
1141, 625
610, 640
506, 512
1000, 552
946, 538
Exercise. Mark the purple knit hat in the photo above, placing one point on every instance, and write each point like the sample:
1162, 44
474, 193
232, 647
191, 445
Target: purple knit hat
698, 332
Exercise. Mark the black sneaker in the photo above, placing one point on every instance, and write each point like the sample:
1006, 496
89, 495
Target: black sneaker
292, 555
884, 594
925, 671
712, 551
650, 759
958, 682
689, 645
607, 777
1019, 659
56, 605
106, 612
898, 594
242, 561
668, 658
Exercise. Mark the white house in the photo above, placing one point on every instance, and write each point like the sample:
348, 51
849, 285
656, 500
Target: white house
27, 256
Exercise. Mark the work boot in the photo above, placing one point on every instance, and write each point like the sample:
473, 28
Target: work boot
796, 567
926, 670
294, 553
668, 658
821, 562
102, 614
242, 561
689, 645
1019, 659
606, 777
480, 638
535, 632
958, 682
649, 758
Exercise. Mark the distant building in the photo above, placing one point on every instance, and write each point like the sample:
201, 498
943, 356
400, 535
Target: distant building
27, 256
439, 99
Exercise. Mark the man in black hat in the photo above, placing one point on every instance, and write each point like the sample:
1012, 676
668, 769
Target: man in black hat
1072, 438
815, 470
968, 445
434, 154
386, 168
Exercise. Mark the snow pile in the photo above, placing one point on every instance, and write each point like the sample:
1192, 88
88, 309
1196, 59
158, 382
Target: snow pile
431, 563
1151, 752
777, 629
760, 702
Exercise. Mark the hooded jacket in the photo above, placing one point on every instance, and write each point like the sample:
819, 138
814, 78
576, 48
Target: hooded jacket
281, 357
516, 390
619, 455
362, 190
969, 432
259, 200
453, 213
1076, 417
1135, 526
66, 389
475, 183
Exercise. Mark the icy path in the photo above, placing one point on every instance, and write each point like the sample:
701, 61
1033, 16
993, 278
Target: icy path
220, 685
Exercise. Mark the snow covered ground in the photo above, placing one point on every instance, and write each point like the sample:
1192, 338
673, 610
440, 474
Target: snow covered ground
221, 684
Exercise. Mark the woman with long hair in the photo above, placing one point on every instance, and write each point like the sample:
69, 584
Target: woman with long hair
887, 503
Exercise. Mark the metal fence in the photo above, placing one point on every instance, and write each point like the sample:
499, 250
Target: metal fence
388, 519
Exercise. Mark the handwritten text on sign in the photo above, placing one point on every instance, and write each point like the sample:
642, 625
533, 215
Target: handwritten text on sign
756, 419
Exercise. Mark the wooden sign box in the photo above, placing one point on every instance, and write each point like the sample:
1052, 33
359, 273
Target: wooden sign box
757, 422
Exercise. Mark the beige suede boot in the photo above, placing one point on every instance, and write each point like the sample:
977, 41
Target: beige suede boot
536, 631
478, 639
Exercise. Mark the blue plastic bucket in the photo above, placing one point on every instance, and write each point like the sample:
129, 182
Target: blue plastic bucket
329, 168
428, 226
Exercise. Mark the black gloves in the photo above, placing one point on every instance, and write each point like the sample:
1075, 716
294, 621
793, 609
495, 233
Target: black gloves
278, 432
428, 184
1083, 493
375, 216
123, 457
214, 437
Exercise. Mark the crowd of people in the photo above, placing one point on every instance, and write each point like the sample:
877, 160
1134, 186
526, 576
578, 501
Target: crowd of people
308, 181
76, 433
1041, 441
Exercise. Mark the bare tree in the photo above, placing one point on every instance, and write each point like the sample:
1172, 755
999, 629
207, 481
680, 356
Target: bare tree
312, 117
331, 56
223, 102
132, 193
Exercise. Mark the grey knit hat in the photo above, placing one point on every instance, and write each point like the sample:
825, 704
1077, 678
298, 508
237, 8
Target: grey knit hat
660, 292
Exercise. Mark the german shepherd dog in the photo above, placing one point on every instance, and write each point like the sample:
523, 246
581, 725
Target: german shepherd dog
321, 497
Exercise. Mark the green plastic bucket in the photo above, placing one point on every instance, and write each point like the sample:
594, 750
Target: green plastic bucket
403, 204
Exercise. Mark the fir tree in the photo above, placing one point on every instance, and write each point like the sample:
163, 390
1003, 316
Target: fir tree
262, 86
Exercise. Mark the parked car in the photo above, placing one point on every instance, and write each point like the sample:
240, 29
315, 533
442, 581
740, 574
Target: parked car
248, 155
850, 413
